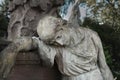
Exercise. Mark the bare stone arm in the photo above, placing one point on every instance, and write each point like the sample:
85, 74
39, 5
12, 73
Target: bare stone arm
106, 73
8, 55
47, 52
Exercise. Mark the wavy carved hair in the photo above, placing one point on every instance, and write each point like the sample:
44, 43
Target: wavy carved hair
46, 27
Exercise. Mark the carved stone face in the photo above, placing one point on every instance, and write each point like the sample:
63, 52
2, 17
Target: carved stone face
47, 26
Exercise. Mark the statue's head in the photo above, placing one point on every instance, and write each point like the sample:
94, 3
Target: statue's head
47, 26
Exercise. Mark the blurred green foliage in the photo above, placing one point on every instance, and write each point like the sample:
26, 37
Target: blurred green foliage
3, 25
3, 18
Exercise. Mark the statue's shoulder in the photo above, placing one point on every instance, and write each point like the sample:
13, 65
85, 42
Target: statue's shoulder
89, 31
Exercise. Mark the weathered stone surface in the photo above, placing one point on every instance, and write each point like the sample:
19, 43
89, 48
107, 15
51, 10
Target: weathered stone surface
78, 51
33, 72
25, 15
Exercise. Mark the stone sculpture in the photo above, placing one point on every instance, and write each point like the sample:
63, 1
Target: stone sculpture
78, 51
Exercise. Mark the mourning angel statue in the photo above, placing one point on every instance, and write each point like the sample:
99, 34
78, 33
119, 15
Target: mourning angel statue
78, 51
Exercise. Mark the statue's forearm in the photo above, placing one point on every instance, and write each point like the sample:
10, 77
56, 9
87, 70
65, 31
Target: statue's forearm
8, 55
47, 53
24, 43
106, 73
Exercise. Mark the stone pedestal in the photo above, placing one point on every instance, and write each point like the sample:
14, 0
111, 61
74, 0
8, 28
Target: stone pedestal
29, 67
